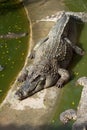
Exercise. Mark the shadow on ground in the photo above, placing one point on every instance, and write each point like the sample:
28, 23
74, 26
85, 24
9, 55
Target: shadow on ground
27, 127
9, 5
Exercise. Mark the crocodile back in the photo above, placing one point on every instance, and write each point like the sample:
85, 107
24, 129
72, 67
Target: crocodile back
55, 47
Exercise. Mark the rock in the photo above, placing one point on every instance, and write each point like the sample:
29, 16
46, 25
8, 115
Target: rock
81, 120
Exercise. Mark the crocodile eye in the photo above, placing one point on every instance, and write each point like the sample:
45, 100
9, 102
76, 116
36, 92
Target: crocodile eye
42, 81
42, 78
36, 78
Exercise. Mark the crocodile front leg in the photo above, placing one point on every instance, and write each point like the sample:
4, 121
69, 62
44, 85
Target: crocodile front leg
64, 77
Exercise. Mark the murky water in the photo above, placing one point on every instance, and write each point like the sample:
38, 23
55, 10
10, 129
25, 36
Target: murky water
12, 51
70, 94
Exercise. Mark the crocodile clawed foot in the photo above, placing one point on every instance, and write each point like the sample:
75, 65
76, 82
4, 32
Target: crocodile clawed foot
59, 84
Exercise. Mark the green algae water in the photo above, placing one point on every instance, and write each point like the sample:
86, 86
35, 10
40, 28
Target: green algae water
13, 52
70, 94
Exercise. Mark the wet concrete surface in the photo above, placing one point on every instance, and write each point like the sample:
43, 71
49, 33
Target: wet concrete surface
35, 112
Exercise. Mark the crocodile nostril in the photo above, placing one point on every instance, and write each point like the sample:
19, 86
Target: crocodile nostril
18, 95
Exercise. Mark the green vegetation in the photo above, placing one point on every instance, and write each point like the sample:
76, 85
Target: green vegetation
12, 51
76, 5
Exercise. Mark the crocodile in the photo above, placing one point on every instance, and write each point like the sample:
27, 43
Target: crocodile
11, 35
81, 114
51, 57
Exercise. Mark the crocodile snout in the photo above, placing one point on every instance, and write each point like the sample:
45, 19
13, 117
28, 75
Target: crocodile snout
19, 95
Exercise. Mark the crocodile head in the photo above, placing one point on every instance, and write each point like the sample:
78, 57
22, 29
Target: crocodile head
38, 78
30, 86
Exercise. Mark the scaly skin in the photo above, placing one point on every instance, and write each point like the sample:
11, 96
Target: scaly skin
51, 57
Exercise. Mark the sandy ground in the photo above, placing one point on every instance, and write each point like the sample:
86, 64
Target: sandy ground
35, 112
